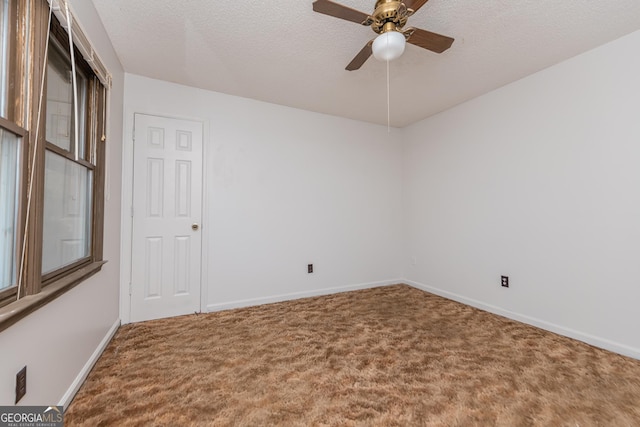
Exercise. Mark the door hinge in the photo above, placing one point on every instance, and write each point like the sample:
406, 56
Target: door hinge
130, 288
131, 211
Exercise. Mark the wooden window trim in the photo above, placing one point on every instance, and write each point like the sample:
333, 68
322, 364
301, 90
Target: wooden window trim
69, 156
11, 55
52, 276
8, 293
13, 128
28, 59
61, 38
6, 296
17, 310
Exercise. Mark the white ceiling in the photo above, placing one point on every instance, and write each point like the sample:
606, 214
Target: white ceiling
284, 53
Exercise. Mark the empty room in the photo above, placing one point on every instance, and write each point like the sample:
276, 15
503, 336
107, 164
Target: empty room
320, 212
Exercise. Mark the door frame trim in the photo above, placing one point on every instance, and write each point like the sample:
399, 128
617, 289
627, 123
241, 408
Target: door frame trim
126, 220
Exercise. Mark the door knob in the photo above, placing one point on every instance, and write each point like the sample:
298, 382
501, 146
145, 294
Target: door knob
195, 226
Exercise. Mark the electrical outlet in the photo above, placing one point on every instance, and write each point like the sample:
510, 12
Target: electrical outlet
504, 280
309, 268
21, 383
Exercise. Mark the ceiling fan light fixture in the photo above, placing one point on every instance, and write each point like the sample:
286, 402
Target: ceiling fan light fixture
388, 46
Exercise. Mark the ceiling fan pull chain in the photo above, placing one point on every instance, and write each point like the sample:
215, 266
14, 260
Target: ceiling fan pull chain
388, 102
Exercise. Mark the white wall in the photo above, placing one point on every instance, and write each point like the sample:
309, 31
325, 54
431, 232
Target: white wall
59, 339
540, 181
284, 188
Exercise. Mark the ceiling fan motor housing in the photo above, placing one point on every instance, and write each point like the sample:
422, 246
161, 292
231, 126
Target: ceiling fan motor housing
387, 20
389, 15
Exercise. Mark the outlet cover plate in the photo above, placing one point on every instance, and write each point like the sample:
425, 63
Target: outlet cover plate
504, 281
21, 384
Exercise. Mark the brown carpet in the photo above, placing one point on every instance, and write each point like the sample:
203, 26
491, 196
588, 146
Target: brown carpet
392, 356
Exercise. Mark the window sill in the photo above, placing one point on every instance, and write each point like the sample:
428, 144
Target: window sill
15, 311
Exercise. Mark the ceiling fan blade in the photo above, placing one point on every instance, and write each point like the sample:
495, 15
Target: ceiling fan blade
339, 11
361, 57
415, 4
426, 39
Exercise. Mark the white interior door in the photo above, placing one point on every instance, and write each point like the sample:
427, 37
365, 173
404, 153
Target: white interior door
167, 210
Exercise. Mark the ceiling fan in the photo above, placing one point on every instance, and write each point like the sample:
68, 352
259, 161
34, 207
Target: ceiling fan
388, 20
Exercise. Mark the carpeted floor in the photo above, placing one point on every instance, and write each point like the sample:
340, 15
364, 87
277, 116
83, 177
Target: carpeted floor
392, 356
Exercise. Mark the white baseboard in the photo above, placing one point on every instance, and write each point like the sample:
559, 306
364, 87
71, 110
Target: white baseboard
84, 372
297, 295
603, 343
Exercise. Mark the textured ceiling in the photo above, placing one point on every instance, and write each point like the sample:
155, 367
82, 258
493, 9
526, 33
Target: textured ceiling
284, 53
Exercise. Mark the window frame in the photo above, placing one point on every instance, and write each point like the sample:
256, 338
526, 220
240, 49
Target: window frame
27, 45
11, 292
59, 41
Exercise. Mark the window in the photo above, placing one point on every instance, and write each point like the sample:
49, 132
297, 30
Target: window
11, 152
52, 140
5, 32
66, 234
9, 184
